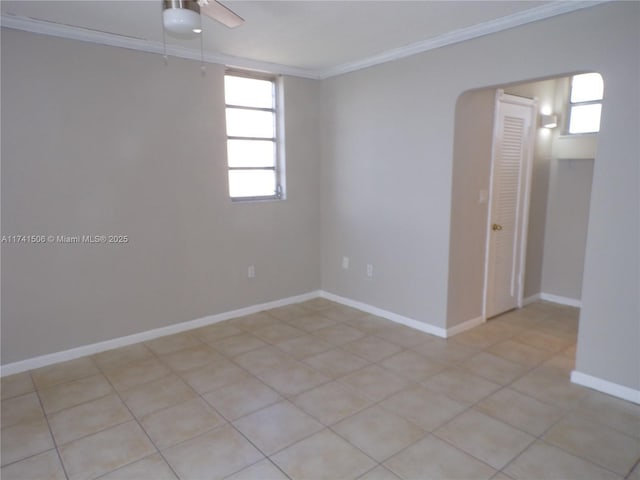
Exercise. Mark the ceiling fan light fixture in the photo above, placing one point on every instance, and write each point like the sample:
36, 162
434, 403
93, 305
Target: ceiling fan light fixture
181, 17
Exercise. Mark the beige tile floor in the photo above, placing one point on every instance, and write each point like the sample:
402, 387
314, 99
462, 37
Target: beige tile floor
322, 391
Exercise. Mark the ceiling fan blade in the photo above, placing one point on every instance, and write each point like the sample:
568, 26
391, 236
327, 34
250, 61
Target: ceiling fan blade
220, 13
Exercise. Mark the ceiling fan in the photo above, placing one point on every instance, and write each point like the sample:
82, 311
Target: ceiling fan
183, 16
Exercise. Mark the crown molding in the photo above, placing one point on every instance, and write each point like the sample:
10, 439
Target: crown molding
542, 12
143, 45
461, 35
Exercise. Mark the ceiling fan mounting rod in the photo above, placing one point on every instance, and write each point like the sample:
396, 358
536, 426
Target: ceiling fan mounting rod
186, 4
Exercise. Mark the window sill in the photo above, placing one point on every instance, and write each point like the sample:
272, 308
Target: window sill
564, 136
257, 200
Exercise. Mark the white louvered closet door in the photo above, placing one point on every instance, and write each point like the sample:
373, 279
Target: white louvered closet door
509, 204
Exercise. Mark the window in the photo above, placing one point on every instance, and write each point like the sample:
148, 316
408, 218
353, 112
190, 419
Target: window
252, 136
585, 103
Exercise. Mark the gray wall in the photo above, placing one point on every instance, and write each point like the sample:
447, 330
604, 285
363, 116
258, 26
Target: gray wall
472, 150
566, 232
88, 145
570, 178
100, 140
384, 197
387, 171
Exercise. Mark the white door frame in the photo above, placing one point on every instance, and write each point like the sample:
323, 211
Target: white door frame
526, 197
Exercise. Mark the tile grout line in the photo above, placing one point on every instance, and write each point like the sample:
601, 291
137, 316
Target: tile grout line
198, 395
133, 416
576, 455
288, 398
564, 415
378, 463
158, 451
228, 422
636, 465
47, 415
528, 370
378, 403
53, 438
565, 410
114, 391
539, 438
473, 405
444, 440
413, 382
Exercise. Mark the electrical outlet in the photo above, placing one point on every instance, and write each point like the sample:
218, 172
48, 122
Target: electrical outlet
345, 263
251, 271
369, 270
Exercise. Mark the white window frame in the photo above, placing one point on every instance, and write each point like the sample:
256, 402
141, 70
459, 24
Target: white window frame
278, 137
571, 104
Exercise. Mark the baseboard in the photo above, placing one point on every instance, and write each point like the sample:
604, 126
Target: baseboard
531, 299
73, 353
394, 317
606, 386
91, 349
461, 327
549, 297
570, 302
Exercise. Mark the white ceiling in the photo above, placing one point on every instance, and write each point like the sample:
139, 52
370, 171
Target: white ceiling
312, 38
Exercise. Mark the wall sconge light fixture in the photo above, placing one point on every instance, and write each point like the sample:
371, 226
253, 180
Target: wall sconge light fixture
549, 121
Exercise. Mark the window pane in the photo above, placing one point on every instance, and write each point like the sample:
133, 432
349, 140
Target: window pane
586, 87
252, 183
248, 92
251, 153
250, 123
585, 118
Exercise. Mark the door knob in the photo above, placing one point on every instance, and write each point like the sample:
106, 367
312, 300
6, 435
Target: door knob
496, 227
